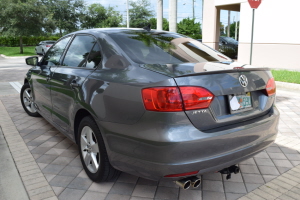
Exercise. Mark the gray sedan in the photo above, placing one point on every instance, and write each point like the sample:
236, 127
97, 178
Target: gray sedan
43, 46
154, 104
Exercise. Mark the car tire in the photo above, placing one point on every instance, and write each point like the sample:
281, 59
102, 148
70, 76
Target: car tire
93, 153
27, 101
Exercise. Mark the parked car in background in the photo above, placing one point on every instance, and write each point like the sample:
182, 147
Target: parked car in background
228, 40
228, 46
43, 46
154, 104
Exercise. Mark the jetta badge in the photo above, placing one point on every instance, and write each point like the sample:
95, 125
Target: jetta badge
243, 80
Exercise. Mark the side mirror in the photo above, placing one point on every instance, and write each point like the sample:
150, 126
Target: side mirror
34, 61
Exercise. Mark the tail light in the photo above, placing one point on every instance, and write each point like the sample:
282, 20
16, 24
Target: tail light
48, 45
172, 99
271, 87
196, 97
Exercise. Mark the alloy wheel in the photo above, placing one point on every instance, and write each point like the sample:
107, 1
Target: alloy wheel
28, 100
90, 149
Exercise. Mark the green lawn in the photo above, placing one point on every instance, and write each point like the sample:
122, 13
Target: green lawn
286, 76
15, 51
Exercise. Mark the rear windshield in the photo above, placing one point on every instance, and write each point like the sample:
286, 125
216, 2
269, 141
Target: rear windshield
164, 48
50, 42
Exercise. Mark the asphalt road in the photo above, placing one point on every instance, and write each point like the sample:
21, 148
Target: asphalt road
13, 69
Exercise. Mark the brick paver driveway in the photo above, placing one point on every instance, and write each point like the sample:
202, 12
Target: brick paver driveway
58, 159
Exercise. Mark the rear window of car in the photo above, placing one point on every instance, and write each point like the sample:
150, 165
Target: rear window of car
164, 48
50, 42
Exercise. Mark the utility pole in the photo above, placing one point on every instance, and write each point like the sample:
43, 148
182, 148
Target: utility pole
127, 15
159, 22
236, 26
228, 27
173, 16
193, 9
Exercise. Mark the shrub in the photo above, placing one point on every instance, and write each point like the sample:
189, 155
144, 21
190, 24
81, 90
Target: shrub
27, 41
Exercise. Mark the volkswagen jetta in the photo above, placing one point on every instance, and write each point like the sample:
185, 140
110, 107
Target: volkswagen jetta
154, 104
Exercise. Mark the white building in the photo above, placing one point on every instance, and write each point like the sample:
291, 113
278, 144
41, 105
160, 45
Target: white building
276, 41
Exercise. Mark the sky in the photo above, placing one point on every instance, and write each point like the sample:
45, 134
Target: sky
184, 9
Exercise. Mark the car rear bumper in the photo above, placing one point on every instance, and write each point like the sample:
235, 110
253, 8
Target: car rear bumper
154, 152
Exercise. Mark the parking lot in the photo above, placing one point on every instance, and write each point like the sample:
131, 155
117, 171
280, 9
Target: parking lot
60, 175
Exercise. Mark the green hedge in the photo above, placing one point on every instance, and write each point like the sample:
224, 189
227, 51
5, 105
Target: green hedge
196, 36
27, 41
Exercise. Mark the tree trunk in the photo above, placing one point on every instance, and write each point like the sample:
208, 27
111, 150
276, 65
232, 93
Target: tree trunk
21, 45
60, 32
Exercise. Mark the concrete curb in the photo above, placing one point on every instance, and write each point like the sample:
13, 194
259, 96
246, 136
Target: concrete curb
288, 86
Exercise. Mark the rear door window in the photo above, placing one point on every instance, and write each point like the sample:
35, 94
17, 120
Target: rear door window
94, 57
78, 51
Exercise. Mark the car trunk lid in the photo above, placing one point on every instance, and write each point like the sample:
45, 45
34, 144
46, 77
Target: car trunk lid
239, 91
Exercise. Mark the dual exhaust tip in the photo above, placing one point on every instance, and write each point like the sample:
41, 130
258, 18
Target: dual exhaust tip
186, 183
195, 182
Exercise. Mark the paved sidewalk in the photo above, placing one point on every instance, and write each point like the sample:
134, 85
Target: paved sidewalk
50, 167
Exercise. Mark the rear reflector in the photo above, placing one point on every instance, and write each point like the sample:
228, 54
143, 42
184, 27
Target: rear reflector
271, 87
172, 99
183, 174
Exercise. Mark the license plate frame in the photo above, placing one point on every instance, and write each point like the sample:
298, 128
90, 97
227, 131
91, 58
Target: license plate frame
244, 100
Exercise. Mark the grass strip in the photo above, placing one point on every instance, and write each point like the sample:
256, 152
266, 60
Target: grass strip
15, 51
286, 76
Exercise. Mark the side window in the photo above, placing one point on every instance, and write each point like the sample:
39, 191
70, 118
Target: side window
94, 57
78, 51
53, 55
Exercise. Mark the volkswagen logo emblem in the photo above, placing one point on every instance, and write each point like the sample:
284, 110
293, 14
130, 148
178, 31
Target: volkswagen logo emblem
243, 80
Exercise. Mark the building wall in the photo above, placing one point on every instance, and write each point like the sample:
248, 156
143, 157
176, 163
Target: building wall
276, 41
276, 32
210, 33
228, 2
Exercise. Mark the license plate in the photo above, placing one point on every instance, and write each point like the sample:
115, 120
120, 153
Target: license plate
240, 102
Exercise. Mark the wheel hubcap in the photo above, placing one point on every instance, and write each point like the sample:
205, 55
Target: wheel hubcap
28, 100
89, 149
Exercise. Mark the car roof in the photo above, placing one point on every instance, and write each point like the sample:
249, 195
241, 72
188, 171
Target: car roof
96, 31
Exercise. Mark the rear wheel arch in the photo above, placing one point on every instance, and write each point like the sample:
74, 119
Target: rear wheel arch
25, 81
80, 114
84, 121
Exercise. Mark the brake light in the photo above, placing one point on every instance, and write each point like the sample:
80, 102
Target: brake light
48, 45
196, 97
172, 99
271, 87
163, 99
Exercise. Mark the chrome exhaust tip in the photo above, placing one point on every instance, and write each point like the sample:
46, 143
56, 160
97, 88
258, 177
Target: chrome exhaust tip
184, 183
195, 181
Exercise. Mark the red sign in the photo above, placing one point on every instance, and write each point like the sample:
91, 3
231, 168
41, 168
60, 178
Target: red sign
254, 3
